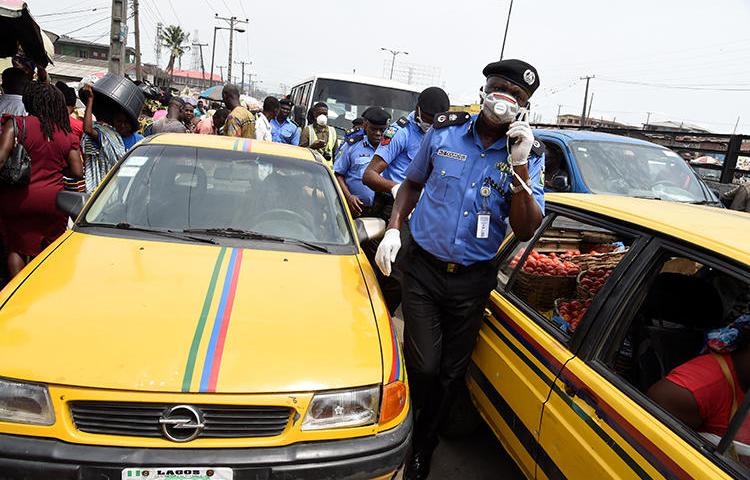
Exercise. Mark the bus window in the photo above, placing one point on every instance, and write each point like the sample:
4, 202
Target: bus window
347, 100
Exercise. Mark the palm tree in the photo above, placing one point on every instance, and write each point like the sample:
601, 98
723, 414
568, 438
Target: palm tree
175, 39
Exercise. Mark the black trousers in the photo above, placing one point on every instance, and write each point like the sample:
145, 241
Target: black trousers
443, 312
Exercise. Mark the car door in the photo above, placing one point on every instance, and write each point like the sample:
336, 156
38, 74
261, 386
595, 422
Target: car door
523, 343
599, 421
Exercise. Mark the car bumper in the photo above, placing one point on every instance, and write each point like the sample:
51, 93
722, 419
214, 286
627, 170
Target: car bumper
32, 458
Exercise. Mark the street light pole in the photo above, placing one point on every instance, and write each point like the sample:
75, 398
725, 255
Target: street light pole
507, 24
232, 22
393, 60
213, 56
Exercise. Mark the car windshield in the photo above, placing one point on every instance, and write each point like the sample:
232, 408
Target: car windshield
346, 100
637, 171
178, 189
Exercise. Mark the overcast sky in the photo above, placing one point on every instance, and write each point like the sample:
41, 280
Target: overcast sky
681, 60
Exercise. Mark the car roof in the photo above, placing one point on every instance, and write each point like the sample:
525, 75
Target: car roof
362, 79
231, 143
594, 136
720, 230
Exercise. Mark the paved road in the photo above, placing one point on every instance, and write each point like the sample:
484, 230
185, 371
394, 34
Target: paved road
476, 457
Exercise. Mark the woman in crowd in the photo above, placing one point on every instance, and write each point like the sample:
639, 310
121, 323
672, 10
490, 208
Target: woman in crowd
29, 218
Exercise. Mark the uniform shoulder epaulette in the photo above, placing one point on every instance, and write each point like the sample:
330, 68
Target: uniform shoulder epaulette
449, 119
538, 148
355, 139
402, 122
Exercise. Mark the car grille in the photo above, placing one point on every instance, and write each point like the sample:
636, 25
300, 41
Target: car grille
142, 419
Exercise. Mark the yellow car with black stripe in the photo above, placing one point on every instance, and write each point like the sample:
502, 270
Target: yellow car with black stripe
210, 315
611, 299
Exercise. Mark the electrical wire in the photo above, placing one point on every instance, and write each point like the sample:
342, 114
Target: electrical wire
68, 13
88, 25
675, 87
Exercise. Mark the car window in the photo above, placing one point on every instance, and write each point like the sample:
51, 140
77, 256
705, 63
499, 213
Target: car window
684, 344
637, 171
562, 272
184, 188
556, 173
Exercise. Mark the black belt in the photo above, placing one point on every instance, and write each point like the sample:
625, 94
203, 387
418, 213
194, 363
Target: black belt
449, 267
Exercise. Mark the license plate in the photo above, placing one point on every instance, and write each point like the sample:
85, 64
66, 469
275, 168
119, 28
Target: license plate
177, 473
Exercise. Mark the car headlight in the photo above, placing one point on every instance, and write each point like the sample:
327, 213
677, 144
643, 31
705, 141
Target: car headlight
344, 408
25, 403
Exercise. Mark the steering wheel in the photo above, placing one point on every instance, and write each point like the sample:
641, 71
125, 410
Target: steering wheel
281, 212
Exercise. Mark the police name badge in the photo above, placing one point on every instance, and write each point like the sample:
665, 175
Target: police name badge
483, 225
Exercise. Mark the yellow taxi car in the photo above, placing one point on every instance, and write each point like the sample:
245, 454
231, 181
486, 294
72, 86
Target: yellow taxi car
604, 303
209, 316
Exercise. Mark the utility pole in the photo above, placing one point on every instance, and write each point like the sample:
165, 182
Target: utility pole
557, 120
591, 102
221, 73
243, 63
585, 98
507, 24
252, 83
138, 68
118, 35
393, 61
232, 22
648, 119
158, 44
203, 66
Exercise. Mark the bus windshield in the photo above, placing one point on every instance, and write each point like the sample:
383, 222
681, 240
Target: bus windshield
346, 100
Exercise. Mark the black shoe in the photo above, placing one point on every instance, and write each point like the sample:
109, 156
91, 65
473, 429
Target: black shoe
418, 466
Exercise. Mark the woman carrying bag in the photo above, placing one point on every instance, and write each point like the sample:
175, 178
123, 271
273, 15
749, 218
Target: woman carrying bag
29, 217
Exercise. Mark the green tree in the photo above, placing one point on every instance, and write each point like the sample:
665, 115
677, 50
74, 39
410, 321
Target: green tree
176, 40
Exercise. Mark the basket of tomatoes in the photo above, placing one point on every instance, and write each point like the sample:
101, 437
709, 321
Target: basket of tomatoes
571, 311
544, 278
590, 281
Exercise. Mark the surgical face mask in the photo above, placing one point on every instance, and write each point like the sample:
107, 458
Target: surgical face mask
422, 124
500, 108
321, 120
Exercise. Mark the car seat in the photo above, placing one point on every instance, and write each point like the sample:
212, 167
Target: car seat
673, 320
172, 191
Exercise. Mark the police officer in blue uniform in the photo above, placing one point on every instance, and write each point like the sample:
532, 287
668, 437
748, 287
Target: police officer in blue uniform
476, 174
354, 158
400, 144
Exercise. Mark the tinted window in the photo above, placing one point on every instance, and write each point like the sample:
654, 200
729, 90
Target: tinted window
637, 171
180, 188
346, 100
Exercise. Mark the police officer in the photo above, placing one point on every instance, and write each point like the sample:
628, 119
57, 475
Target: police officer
478, 173
399, 146
354, 158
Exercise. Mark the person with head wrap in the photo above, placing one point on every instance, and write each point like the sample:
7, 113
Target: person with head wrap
29, 217
704, 393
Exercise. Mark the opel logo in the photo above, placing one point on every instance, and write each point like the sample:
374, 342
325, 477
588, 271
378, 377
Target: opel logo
181, 423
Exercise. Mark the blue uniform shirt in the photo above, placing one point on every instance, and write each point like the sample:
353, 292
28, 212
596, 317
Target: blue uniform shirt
399, 146
286, 132
453, 165
351, 164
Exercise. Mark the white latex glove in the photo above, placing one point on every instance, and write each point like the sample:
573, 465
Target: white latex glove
522, 140
394, 190
387, 251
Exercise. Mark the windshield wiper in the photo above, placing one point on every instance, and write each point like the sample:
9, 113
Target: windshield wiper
704, 202
250, 235
647, 197
163, 233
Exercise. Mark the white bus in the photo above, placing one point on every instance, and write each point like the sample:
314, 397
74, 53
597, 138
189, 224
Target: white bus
347, 96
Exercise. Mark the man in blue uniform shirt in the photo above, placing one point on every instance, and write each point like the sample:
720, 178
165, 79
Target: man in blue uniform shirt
399, 146
354, 158
284, 130
476, 174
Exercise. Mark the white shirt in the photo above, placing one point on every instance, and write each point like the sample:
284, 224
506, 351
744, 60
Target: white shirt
12, 105
263, 128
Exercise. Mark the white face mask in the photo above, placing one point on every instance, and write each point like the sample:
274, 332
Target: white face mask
500, 108
422, 124
321, 120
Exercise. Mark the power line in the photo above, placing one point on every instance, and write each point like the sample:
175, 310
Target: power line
88, 25
68, 13
675, 87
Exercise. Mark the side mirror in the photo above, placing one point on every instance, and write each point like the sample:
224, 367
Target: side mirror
71, 203
369, 228
560, 183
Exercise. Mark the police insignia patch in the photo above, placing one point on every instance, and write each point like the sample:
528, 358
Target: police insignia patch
390, 133
452, 118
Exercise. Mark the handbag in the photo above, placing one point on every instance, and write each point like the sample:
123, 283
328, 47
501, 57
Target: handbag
17, 168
